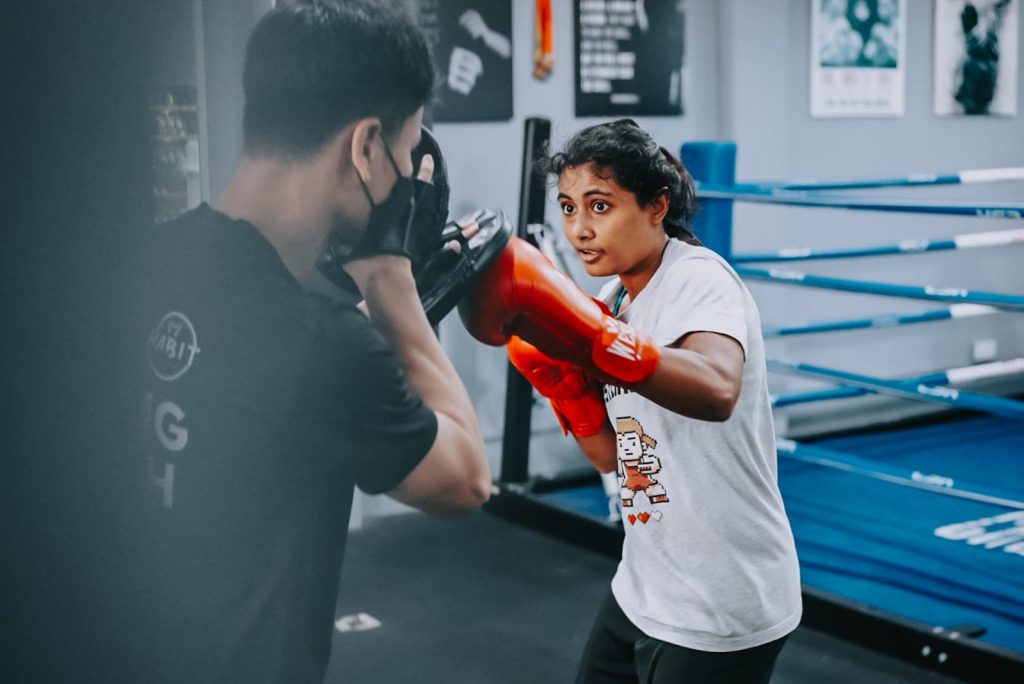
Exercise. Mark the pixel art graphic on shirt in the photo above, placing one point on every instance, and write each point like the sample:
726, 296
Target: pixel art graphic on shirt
637, 463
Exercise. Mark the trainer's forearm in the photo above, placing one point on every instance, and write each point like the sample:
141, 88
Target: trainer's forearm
394, 308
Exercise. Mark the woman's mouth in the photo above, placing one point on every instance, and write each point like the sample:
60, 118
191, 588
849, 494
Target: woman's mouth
589, 256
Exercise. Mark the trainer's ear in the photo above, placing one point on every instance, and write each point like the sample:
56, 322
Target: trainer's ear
364, 145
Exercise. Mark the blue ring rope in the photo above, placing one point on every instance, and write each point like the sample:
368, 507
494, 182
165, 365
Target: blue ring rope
907, 389
882, 321
937, 484
940, 294
798, 198
798, 254
909, 180
794, 193
951, 376
969, 241
848, 392
821, 395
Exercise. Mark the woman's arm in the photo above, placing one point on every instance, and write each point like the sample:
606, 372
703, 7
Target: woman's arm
699, 377
600, 449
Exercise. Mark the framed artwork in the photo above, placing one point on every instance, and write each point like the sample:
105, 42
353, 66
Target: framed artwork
472, 45
976, 57
629, 57
858, 58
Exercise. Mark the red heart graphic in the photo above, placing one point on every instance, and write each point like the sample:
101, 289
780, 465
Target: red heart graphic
644, 517
632, 519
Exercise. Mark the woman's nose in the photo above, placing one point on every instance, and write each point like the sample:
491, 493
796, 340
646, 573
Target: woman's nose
581, 229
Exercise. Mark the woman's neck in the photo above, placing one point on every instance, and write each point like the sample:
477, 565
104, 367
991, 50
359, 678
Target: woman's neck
636, 278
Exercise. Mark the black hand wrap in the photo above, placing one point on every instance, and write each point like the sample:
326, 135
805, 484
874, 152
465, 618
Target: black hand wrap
431, 215
443, 276
411, 228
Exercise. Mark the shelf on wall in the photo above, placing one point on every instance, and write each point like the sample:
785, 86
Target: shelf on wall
174, 108
175, 138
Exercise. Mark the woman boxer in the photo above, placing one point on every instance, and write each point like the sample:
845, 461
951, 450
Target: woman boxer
708, 586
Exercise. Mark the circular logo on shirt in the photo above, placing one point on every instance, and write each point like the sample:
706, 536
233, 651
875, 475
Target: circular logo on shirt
172, 346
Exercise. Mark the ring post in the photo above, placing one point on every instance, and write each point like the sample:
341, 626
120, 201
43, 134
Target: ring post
515, 442
712, 163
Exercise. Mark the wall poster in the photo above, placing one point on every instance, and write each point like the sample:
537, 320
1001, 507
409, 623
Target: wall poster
472, 45
976, 57
629, 57
858, 57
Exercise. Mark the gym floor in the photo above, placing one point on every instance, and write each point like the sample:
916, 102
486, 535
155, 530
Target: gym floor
479, 600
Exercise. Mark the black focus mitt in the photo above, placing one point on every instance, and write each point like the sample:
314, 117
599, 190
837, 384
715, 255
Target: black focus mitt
447, 276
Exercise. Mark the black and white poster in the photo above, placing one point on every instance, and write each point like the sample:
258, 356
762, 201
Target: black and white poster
976, 57
472, 45
858, 57
629, 57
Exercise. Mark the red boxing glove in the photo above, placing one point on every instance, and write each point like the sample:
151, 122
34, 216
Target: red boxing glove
524, 294
576, 399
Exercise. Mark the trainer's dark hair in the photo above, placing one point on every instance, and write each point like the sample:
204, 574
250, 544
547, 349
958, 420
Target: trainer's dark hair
314, 66
638, 164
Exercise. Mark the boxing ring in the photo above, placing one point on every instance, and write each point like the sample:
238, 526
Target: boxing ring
910, 534
922, 521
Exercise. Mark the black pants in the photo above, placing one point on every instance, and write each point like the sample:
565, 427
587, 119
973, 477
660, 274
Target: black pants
617, 651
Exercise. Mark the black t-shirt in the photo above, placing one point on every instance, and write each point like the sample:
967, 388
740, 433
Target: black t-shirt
265, 404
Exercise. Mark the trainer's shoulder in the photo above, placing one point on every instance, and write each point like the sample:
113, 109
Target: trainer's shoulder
198, 235
344, 334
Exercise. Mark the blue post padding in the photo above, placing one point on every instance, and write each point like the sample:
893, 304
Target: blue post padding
713, 163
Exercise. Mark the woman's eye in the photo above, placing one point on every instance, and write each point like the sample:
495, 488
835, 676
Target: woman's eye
568, 209
600, 207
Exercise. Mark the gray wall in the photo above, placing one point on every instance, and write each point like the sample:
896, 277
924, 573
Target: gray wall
486, 156
747, 79
226, 25
484, 162
175, 47
777, 137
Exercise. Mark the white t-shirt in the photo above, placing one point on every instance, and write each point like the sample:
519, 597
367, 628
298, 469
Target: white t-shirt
709, 561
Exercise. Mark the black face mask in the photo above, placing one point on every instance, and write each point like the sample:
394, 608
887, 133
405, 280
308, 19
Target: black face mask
387, 230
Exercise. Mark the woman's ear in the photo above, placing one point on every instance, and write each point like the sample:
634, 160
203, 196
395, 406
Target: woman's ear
658, 207
363, 145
